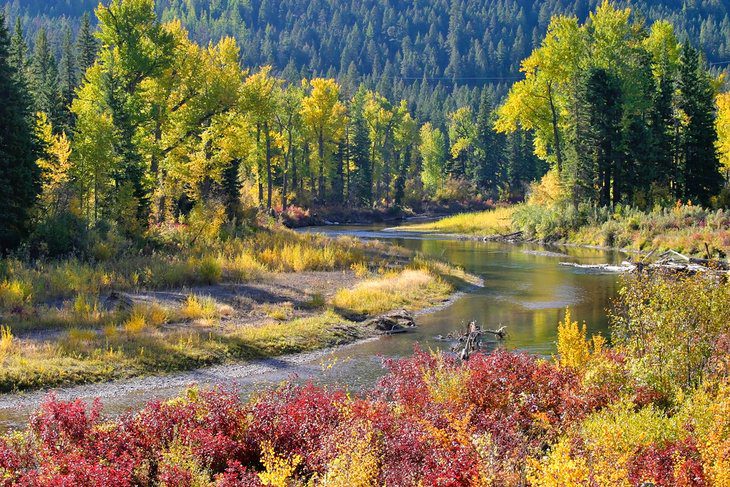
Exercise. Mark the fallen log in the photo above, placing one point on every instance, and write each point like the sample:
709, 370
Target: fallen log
394, 322
503, 237
624, 267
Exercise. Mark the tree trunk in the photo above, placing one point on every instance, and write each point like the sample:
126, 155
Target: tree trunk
556, 132
269, 182
259, 169
285, 176
321, 166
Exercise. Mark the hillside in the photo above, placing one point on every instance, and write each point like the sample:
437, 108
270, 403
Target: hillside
430, 53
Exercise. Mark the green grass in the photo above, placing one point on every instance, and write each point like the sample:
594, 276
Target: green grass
490, 222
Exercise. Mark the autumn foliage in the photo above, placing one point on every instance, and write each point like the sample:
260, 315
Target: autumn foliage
499, 419
591, 416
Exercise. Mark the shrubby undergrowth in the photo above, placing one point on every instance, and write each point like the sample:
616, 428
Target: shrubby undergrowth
590, 416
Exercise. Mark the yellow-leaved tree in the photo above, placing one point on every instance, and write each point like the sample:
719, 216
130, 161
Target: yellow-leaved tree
723, 130
324, 116
55, 166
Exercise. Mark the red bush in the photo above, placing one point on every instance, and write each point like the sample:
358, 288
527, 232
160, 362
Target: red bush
677, 464
514, 404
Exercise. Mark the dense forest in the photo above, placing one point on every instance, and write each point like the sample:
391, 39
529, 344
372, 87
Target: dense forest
435, 55
132, 123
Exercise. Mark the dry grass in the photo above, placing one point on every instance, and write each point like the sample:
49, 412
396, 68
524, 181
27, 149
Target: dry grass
6, 342
91, 343
279, 312
409, 288
490, 222
201, 308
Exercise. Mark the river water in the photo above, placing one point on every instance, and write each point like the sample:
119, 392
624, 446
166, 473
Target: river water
525, 288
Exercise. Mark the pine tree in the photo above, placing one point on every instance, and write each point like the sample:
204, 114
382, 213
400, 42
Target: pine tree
701, 176
18, 53
19, 151
44, 78
67, 80
662, 124
86, 46
598, 137
488, 170
360, 154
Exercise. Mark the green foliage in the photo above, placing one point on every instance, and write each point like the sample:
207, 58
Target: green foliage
672, 327
19, 150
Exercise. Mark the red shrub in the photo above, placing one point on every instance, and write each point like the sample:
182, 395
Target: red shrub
677, 464
294, 420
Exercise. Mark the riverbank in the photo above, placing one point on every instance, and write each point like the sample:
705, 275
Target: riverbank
688, 229
62, 335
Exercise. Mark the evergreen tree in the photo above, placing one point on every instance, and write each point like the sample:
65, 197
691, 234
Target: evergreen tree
86, 46
487, 171
19, 151
18, 53
662, 123
44, 78
360, 153
67, 79
598, 138
701, 176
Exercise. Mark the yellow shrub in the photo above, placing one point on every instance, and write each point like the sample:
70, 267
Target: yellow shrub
560, 470
15, 294
242, 267
356, 465
6, 342
278, 471
609, 439
446, 385
135, 323
200, 308
548, 191
360, 269
572, 343
708, 412
181, 457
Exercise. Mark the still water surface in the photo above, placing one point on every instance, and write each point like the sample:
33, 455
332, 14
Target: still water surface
525, 289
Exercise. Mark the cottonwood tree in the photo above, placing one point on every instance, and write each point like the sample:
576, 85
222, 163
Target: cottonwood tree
323, 115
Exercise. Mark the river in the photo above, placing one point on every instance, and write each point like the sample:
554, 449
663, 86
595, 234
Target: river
525, 288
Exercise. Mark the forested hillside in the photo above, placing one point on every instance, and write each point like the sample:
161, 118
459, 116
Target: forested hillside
429, 53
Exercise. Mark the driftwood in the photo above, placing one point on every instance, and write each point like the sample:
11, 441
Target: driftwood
669, 260
471, 340
394, 322
507, 237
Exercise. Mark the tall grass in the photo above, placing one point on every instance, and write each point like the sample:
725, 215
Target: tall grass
684, 228
490, 222
237, 260
6, 342
413, 288
203, 308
